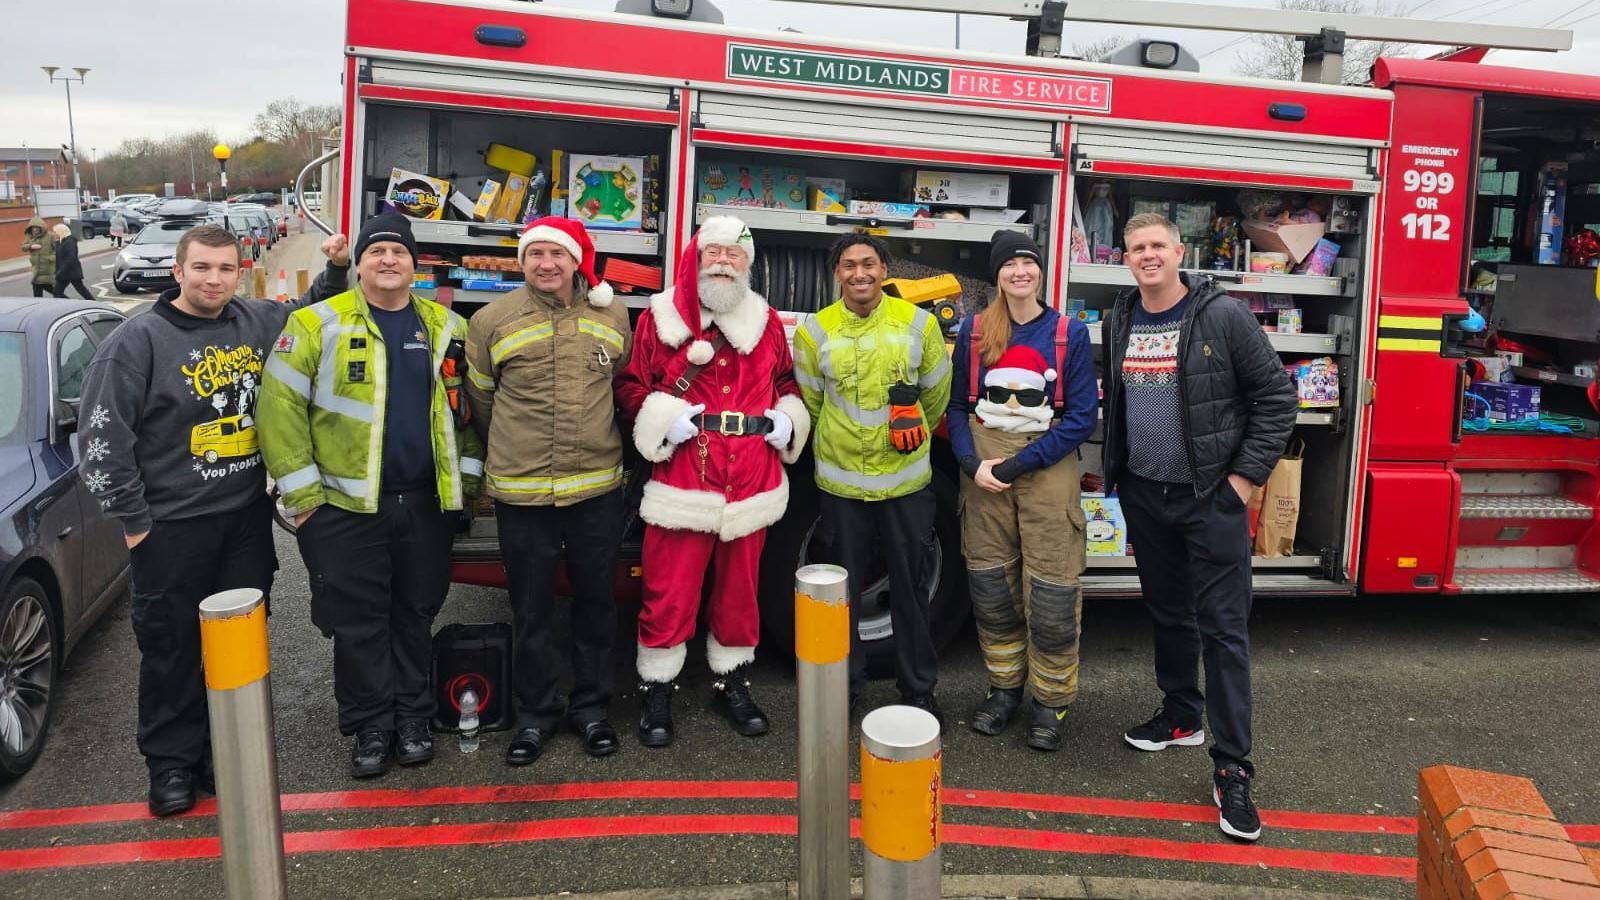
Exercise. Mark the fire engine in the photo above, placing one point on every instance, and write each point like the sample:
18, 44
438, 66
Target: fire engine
1370, 227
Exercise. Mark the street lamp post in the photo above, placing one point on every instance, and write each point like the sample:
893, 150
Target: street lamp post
94, 160
222, 154
72, 134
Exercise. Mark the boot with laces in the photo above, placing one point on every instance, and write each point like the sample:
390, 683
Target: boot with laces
733, 701
655, 719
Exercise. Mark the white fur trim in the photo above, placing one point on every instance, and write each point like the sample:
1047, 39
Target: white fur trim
727, 231
659, 665
550, 235
1024, 377
1050, 374
723, 659
744, 325
656, 415
601, 295
795, 409
1022, 420
709, 512
700, 353
670, 327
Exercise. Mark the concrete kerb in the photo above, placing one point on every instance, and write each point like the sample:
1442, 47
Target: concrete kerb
982, 887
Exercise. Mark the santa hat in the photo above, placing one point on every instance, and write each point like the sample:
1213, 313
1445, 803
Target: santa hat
727, 231
569, 235
686, 300
1021, 365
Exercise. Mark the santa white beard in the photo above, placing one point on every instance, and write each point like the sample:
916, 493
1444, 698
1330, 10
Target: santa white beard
1021, 420
719, 295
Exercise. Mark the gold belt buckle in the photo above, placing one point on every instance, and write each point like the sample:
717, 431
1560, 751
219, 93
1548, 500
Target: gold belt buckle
736, 429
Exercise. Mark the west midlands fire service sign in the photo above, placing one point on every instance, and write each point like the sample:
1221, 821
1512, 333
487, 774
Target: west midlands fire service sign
774, 64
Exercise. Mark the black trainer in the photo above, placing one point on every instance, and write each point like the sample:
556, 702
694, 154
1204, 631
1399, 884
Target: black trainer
413, 743
1231, 791
731, 698
1044, 727
171, 792
655, 719
371, 753
927, 703
1163, 731
995, 712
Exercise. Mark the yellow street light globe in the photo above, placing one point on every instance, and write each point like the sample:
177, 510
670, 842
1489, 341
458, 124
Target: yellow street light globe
221, 152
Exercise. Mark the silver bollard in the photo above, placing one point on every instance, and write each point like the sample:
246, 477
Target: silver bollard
233, 644
822, 663
901, 815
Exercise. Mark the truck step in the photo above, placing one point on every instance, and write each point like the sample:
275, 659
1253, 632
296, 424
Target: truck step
1527, 581
1522, 506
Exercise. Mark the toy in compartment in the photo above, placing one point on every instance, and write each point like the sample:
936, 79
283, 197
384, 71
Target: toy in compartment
960, 188
1295, 240
1552, 213
510, 159
416, 195
626, 275
1509, 402
1100, 223
1224, 243
751, 184
1267, 262
886, 209
604, 191
827, 195
1320, 262
1194, 222
1290, 321
1316, 382
653, 190
1106, 529
1583, 249
1081, 251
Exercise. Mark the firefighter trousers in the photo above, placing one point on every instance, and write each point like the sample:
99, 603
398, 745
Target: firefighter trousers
675, 564
1025, 550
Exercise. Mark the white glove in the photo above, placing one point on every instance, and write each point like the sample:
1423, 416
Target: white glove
684, 427
782, 429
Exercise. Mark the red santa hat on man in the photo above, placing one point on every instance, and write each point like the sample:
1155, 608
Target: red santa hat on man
569, 235
1020, 367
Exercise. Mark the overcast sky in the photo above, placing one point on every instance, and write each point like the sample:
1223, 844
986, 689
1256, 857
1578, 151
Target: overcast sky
203, 63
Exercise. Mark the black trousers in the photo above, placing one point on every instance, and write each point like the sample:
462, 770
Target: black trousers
899, 532
41, 288
1193, 555
377, 581
76, 284
180, 563
534, 540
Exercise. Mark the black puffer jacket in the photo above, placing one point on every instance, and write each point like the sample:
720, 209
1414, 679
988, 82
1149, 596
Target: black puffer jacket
1238, 403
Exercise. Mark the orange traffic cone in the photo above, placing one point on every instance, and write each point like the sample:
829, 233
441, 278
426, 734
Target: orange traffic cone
283, 285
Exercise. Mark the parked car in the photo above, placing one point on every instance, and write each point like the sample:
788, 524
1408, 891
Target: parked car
146, 262
63, 561
92, 223
265, 198
127, 200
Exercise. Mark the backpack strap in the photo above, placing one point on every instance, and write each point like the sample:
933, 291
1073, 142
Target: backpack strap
1062, 324
974, 383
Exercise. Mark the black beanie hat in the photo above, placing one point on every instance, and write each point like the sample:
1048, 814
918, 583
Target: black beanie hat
1007, 244
385, 227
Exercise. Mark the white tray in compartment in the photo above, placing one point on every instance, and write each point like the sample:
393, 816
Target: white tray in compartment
478, 234
1310, 342
1253, 282
843, 223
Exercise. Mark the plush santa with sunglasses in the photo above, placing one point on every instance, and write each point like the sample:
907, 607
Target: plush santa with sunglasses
1014, 396
715, 406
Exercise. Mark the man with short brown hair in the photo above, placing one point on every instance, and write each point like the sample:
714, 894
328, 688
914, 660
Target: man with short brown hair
168, 442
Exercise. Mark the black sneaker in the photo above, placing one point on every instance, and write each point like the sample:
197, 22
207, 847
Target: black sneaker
1231, 791
731, 698
926, 703
1044, 729
995, 712
1162, 732
413, 743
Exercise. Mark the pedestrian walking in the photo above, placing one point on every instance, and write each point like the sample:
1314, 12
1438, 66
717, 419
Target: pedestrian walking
69, 269
40, 245
119, 226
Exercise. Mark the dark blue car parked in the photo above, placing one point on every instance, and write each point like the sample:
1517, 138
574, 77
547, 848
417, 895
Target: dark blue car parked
63, 561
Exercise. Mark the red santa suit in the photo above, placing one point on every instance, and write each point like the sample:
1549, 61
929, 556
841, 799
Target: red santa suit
710, 499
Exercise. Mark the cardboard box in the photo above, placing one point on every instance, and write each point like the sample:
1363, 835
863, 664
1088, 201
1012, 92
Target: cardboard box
960, 188
508, 206
605, 191
461, 205
1495, 368
416, 195
1509, 402
1295, 240
1289, 321
1552, 213
885, 210
1106, 528
824, 199
486, 200
751, 184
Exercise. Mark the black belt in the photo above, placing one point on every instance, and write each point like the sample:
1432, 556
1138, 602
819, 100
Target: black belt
735, 424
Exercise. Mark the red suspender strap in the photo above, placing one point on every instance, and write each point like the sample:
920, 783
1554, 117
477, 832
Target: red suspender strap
1061, 361
974, 382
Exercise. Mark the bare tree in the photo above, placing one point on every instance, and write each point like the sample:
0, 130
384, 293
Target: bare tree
1097, 51
1281, 56
296, 126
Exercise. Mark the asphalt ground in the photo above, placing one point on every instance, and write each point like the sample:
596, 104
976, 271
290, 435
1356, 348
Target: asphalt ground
1352, 698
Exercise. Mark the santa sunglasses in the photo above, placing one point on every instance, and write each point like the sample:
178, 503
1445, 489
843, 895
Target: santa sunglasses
1025, 396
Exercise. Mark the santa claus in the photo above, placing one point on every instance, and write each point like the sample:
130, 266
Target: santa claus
715, 407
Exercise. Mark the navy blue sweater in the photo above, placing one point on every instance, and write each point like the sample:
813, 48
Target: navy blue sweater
1076, 421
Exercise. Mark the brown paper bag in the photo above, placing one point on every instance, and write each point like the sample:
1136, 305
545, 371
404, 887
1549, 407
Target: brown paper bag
1280, 506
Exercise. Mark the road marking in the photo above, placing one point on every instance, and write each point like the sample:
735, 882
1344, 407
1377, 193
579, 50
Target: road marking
457, 835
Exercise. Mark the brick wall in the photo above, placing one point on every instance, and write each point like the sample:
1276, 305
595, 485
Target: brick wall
12, 225
1486, 836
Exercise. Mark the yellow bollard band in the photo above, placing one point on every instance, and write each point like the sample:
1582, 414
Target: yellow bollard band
821, 629
900, 812
234, 650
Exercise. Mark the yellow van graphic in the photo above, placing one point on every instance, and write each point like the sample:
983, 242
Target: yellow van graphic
229, 436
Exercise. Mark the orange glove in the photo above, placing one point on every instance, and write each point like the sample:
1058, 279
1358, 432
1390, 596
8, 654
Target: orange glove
907, 430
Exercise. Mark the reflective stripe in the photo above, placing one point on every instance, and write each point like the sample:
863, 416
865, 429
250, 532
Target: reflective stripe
807, 381
328, 374
479, 379
917, 469
938, 374
518, 339
919, 322
470, 466
298, 479
570, 484
289, 376
440, 409
604, 332
350, 487
866, 418
819, 337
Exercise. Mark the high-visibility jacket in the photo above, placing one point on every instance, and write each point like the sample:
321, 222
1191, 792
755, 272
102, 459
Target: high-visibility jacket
321, 431
845, 364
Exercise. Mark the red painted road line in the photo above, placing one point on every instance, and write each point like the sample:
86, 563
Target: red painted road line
433, 836
1584, 834
1174, 812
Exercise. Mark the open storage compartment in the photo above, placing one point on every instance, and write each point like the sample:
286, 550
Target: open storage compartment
1312, 316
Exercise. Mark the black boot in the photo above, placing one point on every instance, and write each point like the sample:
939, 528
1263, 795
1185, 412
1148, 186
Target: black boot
1044, 731
995, 712
171, 792
655, 720
371, 754
732, 699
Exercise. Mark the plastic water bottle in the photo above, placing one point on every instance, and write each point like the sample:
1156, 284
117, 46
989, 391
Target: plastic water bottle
469, 722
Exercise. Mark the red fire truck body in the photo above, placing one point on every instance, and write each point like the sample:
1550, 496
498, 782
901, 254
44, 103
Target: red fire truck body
430, 83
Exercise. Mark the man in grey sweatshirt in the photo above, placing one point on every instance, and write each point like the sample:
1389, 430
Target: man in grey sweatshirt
169, 448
